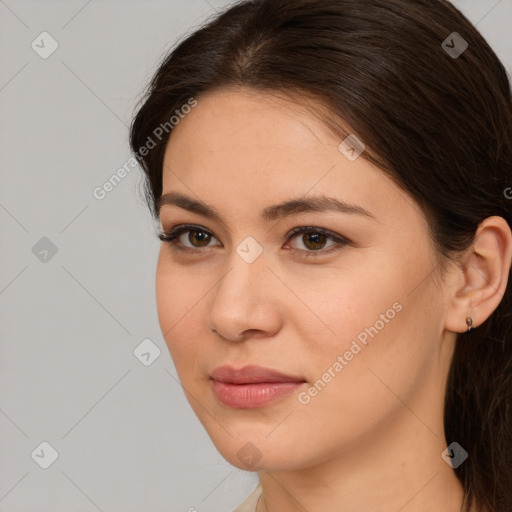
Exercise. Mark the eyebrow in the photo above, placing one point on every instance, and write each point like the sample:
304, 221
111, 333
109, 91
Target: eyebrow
291, 207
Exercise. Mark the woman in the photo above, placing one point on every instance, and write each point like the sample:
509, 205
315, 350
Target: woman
333, 183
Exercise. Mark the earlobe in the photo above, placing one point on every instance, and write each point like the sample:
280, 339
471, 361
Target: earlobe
481, 277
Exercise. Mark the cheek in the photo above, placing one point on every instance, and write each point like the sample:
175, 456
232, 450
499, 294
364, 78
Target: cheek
178, 299
347, 304
371, 295
374, 322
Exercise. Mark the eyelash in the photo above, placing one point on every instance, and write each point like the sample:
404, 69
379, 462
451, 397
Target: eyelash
171, 237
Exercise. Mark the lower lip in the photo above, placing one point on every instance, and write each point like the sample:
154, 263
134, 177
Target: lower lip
250, 396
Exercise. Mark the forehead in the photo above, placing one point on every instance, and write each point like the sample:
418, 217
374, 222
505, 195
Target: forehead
251, 148
244, 133
241, 119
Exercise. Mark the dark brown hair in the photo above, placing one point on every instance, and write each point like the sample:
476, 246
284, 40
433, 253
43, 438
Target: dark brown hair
439, 125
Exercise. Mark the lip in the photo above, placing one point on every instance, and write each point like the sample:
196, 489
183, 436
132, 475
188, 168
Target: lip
252, 386
251, 374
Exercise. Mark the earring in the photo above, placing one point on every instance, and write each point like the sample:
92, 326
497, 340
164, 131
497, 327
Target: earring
469, 323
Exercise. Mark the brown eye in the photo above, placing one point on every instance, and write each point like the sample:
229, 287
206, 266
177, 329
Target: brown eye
188, 238
311, 241
198, 238
314, 240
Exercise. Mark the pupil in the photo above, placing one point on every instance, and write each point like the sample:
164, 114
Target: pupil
317, 239
201, 237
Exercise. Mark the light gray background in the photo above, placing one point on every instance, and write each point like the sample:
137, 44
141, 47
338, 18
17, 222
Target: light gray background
127, 439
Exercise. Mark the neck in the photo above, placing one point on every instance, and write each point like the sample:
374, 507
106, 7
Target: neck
397, 473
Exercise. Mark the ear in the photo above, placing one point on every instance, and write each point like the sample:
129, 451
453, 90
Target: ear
482, 276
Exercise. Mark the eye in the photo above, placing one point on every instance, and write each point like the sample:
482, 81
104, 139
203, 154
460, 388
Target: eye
314, 239
197, 237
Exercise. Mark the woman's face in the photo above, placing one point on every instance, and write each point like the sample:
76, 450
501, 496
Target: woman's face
361, 322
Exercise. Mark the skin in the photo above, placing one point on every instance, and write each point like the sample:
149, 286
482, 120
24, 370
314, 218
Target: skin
372, 438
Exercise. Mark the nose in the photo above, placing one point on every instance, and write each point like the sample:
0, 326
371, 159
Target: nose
246, 301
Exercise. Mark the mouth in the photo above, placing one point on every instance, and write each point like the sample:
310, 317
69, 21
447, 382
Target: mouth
252, 386
251, 374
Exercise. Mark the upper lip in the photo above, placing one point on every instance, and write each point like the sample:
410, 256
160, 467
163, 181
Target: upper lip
251, 374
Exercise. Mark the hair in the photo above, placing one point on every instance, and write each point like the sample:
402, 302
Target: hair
439, 125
